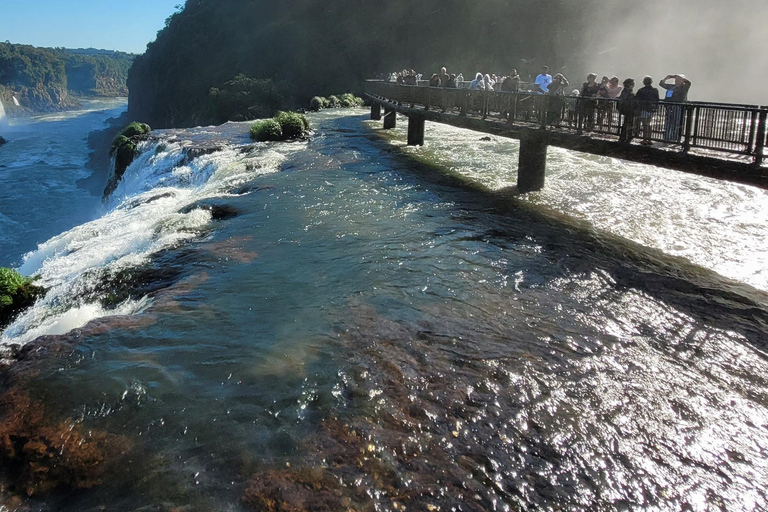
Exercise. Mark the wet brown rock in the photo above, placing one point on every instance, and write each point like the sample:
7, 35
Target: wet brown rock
296, 490
40, 455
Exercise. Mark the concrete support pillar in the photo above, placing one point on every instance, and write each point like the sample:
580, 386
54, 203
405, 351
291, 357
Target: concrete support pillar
375, 111
390, 120
533, 161
416, 131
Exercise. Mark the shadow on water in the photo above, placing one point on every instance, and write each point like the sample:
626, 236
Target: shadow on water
710, 297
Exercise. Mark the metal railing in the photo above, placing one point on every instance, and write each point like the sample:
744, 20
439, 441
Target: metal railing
712, 127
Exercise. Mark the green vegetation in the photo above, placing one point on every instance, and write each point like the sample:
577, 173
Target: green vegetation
345, 100
17, 293
46, 78
266, 130
123, 150
244, 98
209, 42
124, 144
284, 126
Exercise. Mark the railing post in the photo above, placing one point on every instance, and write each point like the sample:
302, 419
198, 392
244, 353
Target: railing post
760, 141
688, 128
464, 97
753, 120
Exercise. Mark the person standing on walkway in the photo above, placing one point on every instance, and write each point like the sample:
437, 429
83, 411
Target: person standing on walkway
587, 102
647, 104
542, 81
677, 93
626, 107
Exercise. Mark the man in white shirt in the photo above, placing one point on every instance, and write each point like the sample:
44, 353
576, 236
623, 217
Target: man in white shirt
542, 81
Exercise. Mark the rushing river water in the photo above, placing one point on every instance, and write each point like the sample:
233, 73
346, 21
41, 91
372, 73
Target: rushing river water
350, 324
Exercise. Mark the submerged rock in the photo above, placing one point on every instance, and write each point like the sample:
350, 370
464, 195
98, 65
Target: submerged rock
39, 455
3, 141
218, 211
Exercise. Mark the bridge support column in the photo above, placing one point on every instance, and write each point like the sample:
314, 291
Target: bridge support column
390, 120
533, 161
416, 131
375, 111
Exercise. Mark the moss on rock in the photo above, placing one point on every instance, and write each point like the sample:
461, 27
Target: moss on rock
123, 150
17, 293
266, 130
284, 126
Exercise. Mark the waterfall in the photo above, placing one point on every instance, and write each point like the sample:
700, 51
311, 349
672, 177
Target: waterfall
3, 118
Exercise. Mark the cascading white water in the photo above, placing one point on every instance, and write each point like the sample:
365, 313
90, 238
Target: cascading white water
148, 213
3, 118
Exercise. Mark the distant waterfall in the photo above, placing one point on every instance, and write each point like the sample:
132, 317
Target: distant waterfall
3, 118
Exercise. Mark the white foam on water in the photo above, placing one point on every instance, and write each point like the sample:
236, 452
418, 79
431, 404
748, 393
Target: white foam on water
141, 218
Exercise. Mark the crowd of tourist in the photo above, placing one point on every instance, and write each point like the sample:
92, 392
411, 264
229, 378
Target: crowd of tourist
636, 109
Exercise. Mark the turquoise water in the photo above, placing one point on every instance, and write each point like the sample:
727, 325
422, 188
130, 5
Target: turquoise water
389, 322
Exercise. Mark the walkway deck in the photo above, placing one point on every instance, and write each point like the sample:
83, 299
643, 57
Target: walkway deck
720, 141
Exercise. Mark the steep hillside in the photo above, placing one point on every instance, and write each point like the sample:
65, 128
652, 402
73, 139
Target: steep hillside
306, 47
43, 79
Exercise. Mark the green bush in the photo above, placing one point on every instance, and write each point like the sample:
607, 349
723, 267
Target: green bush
350, 100
333, 102
244, 98
124, 150
326, 102
267, 130
17, 293
10, 282
315, 103
135, 129
294, 125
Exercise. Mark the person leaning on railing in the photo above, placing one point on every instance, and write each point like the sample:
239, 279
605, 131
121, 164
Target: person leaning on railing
555, 99
626, 106
587, 102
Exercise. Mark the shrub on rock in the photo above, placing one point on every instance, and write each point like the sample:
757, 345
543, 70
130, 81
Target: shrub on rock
17, 293
123, 150
294, 125
266, 130
316, 103
284, 126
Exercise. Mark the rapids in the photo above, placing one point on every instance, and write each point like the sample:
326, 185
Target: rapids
349, 323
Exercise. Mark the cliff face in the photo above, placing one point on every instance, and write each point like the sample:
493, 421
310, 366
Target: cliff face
307, 47
45, 79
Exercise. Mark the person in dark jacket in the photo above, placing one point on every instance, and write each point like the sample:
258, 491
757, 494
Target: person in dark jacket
587, 104
647, 103
435, 80
626, 107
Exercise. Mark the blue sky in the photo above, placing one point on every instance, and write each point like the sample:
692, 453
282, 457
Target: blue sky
126, 25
